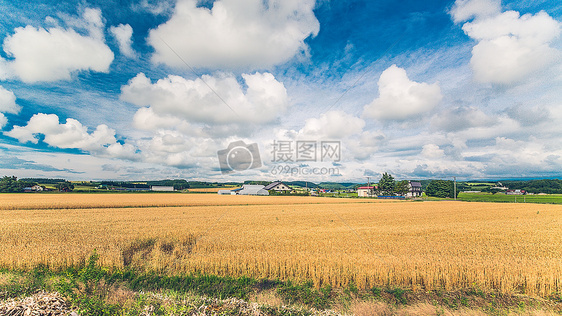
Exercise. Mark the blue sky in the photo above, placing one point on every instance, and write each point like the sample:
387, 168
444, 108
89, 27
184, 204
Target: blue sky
134, 90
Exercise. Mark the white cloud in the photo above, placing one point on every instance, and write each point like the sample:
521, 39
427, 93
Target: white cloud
145, 119
7, 105
234, 34
368, 143
460, 118
332, 125
400, 98
54, 54
156, 7
3, 121
192, 100
8, 102
123, 34
530, 116
510, 47
432, 151
464, 10
5, 71
522, 157
72, 134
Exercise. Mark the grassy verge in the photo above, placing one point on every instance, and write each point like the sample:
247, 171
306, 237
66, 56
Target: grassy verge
503, 198
94, 290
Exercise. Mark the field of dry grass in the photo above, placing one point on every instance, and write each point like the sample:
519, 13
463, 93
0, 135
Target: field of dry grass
85, 201
510, 248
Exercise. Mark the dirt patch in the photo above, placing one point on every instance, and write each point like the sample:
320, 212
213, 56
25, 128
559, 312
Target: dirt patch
41, 303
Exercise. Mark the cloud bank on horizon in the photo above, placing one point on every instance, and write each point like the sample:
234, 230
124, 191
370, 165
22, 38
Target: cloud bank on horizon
471, 89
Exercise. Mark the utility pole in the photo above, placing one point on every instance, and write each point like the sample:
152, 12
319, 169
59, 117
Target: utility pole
455, 190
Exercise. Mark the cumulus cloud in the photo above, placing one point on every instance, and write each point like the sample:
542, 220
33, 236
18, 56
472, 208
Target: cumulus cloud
333, 124
3, 120
180, 150
123, 35
145, 119
156, 7
234, 34
528, 116
518, 154
400, 98
72, 134
510, 47
8, 102
432, 151
366, 145
464, 10
263, 99
5, 72
461, 118
39, 54
7, 105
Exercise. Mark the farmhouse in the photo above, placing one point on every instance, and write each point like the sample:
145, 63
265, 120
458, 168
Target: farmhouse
278, 186
35, 188
415, 189
368, 191
247, 189
515, 192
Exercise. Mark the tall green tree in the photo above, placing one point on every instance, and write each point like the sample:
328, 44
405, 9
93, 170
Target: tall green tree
386, 184
13, 185
65, 186
441, 188
9, 184
402, 187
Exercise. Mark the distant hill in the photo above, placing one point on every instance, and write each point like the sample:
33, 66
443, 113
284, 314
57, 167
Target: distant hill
43, 180
303, 184
204, 185
337, 186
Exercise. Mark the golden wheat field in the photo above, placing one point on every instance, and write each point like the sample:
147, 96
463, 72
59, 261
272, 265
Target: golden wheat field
511, 248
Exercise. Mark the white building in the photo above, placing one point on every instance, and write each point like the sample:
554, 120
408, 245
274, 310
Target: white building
161, 188
35, 188
366, 191
415, 189
248, 189
278, 186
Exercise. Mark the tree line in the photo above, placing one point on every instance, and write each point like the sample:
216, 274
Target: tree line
548, 186
436, 188
11, 184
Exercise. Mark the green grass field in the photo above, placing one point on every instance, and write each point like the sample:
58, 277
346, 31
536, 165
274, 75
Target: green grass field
500, 197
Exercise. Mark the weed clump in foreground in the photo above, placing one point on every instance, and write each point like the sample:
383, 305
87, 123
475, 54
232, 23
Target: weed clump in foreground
87, 288
306, 294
